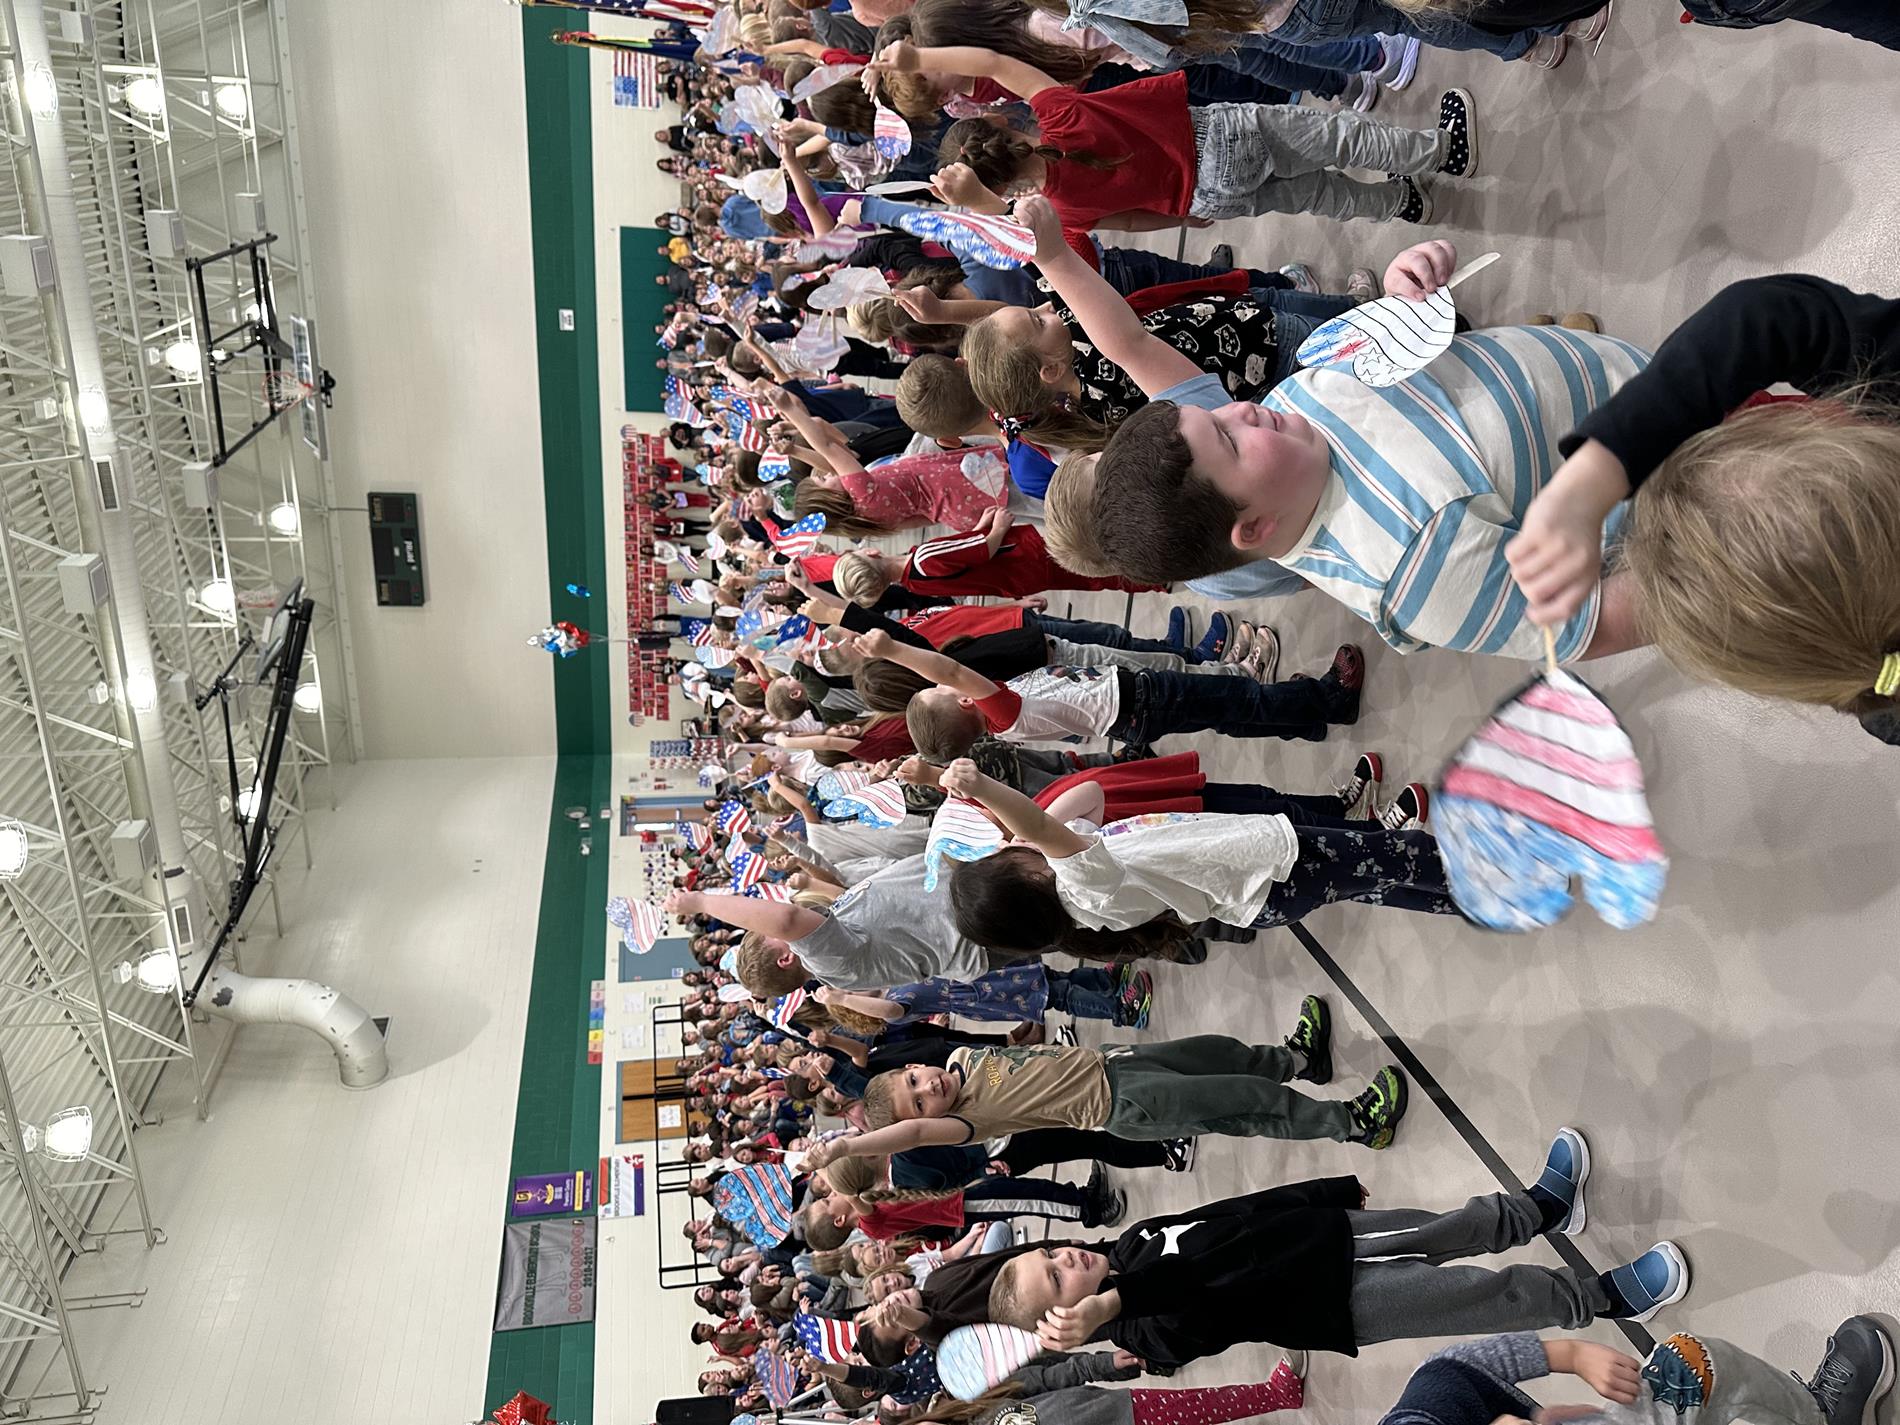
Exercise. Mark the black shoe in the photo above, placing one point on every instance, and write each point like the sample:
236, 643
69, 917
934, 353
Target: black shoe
1180, 1153
1135, 752
1415, 204
1193, 953
1312, 1040
1377, 1111
1105, 1203
1222, 256
1343, 683
1855, 1374
1454, 117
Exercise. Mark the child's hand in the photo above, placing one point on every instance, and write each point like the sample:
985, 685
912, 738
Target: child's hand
1126, 1359
918, 773
1064, 1328
875, 644
1035, 602
958, 183
1038, 214
962, 778
1606, 1370
900, 55
1420, 271
679, 903
1557, 557
921, 303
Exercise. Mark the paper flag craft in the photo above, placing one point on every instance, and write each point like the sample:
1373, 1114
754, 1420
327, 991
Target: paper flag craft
713, 656
776, 1377
774, 466
849, 285
696, 834
1000, 243
637, 921
722, 35
732, 818
826, 1337
960, 831
1386, 341
686, 560
757, 1199
703, 591
781, 1010
715, 546
793, 632
842, 782
818, 345
1390, 340
1549, 791
890, 135
797, 540
733, 994
880, 805
748, 869
975, 1359
841, 241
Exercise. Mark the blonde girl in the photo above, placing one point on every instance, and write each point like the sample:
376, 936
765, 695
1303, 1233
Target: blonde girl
1763, 550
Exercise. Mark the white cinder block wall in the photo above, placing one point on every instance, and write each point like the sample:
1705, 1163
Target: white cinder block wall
332, 1255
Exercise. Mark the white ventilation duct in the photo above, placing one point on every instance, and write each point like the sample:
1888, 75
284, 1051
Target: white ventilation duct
125, 635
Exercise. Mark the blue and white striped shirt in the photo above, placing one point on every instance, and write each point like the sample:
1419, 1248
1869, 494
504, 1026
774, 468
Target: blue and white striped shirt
1431, 479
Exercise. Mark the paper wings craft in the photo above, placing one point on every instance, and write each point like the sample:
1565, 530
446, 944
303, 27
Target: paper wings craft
890, 135
1392, 339
961, 832
823, 77
880, 805
764, 186
848, 286
1547, 793
978, 1358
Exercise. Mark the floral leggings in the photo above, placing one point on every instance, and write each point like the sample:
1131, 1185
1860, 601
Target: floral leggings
1211, 1405
1400, 869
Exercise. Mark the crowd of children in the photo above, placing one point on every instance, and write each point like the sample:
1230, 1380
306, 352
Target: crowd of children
868, 1019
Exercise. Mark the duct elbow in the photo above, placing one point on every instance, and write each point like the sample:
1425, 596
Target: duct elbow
362, 1058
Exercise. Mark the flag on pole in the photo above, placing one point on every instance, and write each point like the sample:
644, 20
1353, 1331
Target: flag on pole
748, 869
781, 1010
687, 559
636, 80
826, 1337
776, 1377
697, 835
732, 818
795, 541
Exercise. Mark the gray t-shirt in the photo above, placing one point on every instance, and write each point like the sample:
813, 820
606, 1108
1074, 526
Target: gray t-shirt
889, 930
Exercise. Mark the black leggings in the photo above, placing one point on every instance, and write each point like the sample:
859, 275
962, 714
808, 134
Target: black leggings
1041, 1147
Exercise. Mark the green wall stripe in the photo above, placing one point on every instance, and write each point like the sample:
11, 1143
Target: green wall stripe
557, 1105
641, 308
561, 218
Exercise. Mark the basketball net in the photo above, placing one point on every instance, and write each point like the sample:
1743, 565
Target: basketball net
283, 391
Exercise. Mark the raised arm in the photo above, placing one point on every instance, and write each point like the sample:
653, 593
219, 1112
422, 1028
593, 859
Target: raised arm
941, 669
780, 919
1020, 816
1111, 323
894, 1138
816, 213
1023, 80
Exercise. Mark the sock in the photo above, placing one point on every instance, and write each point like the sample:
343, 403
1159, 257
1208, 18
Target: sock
1551, 1209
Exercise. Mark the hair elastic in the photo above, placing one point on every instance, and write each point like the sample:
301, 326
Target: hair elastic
1888, 683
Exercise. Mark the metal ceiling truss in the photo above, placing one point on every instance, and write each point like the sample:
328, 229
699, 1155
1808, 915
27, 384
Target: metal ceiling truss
175, 118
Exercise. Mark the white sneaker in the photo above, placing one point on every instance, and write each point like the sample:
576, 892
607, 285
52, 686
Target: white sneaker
1362, 285
1302, 278
1400, 63
1548, 52
1360, 93
1264, 661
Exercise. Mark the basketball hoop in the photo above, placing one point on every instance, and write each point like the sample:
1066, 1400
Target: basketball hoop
284, 391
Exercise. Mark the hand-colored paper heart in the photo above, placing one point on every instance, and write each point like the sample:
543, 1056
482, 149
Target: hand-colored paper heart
839, 242
842, 782
849, 285
722, 33
961, 831
880, 805
713, 656
986, 469
638, 922
1546, 792
666, 551
1386, 341
715, 546
890, 135
975, 1359
818, 345
1001, 243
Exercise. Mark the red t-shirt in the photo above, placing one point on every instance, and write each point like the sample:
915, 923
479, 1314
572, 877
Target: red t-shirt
1144, 122
929, 1219
883, 740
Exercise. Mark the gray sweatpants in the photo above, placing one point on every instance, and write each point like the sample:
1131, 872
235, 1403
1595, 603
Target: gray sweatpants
1209, 1083
1093, 655
1402, 1289
1282, 158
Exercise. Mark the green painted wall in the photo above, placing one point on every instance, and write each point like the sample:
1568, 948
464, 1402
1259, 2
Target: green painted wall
557, 1108
640, 310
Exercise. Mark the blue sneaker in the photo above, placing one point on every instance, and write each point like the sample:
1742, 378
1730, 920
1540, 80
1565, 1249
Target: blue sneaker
1559, 1189
1639, 1289
1213, 643
1178, 628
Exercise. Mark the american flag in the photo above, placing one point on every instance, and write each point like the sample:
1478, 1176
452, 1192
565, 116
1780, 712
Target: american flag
702, 636
636, 80
748, 869
681, 594
743, 433
781, 1010
732, 818
775, 1377
697, 835
770, 891
774, 466
795, 541
826, 1337
795, 633
639, 923
688, 560
757, 1199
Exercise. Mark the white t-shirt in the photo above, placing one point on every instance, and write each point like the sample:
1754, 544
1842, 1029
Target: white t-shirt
1055, 704
1200, 865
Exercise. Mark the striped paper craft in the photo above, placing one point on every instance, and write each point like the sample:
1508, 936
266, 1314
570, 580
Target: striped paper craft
1000, 243
890, 135
1548, 794
827, 1337
841, 782
1386, 341
961, 831
757, 1199
638, 922
775, 1377
881, 804
799, 539
732, 818
978, 1358
748, 869
781, 1010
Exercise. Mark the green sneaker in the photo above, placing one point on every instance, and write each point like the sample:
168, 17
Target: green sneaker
1135, 998
1312, 1040
1377, 1111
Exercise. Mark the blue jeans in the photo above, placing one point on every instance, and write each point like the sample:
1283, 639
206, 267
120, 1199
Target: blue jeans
1315, 20
1135, 269
1876, 21
1084, 993
1155, 704
1321, 69
1102, 635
